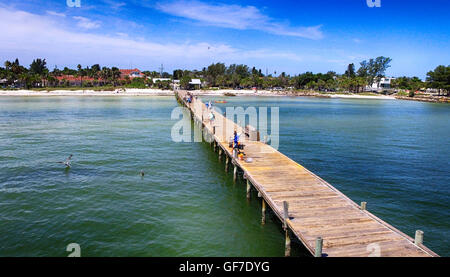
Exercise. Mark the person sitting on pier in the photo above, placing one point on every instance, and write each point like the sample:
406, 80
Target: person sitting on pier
235, 140
237, 146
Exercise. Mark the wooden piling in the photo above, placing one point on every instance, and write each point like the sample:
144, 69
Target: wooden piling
285, 214
318, 250
263, 211
363, 206
235, 173
249, 187
227, 162
418, 240
287, 249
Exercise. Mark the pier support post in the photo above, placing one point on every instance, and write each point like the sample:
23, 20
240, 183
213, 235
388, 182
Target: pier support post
318, 250
285, 214
363, 206
263, 211
227, 161
249, 187
419, 237
235, 173
220, 153
287, 249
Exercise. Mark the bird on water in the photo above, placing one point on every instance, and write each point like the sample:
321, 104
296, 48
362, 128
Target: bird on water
67, 162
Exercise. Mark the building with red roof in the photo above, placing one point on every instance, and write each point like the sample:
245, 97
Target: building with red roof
131, 73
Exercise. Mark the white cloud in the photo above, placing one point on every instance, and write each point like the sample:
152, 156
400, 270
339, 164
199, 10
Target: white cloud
27, 36
114, 4
52, 13
235, 17
86, 23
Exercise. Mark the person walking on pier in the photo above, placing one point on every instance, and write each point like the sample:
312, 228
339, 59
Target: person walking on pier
211, 118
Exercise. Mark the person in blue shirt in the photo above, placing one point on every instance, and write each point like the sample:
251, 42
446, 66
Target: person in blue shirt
235, 139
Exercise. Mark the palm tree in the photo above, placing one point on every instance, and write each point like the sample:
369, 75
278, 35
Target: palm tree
105, 74
80, 73
115, 75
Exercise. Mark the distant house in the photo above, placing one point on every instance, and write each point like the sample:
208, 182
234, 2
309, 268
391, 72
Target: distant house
3, 82
195, 83
131, 73
76, 80
384, 83
161, 80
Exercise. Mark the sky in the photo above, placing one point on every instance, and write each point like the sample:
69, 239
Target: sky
275, 36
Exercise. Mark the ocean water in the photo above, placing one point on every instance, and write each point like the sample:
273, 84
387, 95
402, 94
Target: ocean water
392, 154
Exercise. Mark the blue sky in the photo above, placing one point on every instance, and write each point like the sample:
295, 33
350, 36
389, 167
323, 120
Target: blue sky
291, 36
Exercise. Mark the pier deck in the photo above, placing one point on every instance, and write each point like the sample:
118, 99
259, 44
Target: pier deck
315, 208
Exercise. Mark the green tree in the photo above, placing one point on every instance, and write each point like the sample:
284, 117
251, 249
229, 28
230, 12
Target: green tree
81, 73
214, 71
440, 79
105, 74
38, 67
350, 72
374, 69
184, 82
177, 74
115, 75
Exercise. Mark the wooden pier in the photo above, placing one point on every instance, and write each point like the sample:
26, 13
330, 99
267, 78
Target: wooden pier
327, 222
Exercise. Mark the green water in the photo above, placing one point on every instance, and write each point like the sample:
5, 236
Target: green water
392, 154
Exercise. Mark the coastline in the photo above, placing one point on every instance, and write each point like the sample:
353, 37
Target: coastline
220, 92
62, 92
158, 92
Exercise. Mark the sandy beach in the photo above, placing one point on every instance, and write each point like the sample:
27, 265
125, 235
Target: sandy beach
127, 92
355, 96
158, 92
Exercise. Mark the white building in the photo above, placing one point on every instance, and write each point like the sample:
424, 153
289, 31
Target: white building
384, 83
161, 80
196, 83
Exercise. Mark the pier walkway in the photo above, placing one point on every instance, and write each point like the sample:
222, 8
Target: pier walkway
326, 221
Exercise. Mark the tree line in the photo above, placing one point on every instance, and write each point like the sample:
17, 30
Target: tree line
237, 76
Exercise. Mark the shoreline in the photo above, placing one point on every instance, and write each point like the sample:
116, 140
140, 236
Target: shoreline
62, 92
221, 93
